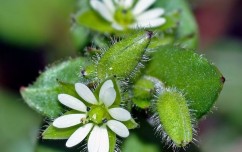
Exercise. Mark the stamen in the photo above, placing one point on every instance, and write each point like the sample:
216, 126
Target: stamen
105, 120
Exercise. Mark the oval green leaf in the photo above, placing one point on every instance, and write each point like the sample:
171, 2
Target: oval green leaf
198, 79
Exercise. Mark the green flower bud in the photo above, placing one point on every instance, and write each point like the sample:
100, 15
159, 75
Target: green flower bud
124, 57
174, 117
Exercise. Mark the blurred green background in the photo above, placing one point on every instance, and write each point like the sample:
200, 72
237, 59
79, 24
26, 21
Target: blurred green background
36, 33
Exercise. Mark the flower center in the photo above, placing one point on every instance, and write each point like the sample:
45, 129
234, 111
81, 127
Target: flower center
124, 16
98, 114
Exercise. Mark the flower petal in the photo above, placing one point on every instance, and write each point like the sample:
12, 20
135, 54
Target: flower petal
120, 114
68, 120
98, 140
109, 4
124, 3
148, 24
127, 3
142, 5
107, 84
94, 139
119, 128
85, 93
79, 135
108, 97
72, 102
150, 14
104, 142
102, 10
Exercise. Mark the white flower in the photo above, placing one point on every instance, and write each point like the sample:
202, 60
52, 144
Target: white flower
95, 119
122, 14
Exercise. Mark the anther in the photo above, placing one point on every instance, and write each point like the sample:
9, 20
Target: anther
83, 72
104, 120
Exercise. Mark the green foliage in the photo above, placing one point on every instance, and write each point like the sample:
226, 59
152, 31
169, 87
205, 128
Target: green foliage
143, 90
52, 132
134, 144
191, 83
175, 117
55, 133
42, 95
187, 25
190, 73
130, 124
114, 60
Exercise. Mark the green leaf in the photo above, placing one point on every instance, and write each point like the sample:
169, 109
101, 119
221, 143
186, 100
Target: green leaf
19, 124
136, 144
199, 80
187, 24
175, 117
42, 95
130, 124
112, 140
52, 132
68, 88
55, 133
123, 57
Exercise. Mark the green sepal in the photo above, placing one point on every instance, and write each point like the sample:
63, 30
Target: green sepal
90, 19
130, 124
42, 95
112, 140
175, 117
52, 132
67, 88
114, 60
199, 80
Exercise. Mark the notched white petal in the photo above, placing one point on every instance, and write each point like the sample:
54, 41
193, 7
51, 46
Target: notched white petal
141, 6
84, 92
149, 23
104, 142
120, 114
127, 3
107, 84
68, 120
119, 128
94, 139
150, 14
72, 102
79, 135
102, 10
108, 97
98, 140
109, 4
